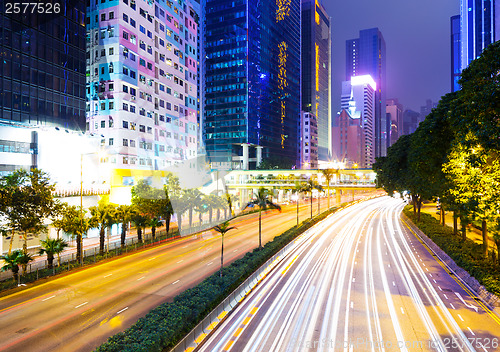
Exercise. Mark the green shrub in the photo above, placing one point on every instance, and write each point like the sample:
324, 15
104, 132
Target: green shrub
163, 327
468, 255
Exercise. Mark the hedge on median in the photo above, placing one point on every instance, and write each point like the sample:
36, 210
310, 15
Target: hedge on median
163, 327
468, 255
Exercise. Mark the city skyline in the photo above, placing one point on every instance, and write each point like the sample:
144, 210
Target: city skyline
406, 37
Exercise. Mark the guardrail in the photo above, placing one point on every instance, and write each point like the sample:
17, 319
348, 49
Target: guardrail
195, 337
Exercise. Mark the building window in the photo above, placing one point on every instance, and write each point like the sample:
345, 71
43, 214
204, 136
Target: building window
111, 15
111, 51
103, 17
125, 17
125, 142
132, 143
111, 105
103, 124
125, 106
111, 141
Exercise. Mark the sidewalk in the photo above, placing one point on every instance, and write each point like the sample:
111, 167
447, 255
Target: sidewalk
472, 232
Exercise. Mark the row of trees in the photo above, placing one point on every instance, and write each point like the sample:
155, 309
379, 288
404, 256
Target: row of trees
454, 153
27, 206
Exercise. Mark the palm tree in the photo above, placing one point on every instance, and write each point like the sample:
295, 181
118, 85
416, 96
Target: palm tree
230, 199
154, 223
103, 215
12, 262
263, 203
220, 203
52, 246
308, 187
328, 175
192, 197
223, 229
75, 223
123, 215
202, 207
140, 221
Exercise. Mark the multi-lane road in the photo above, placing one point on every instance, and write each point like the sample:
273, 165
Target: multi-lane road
79, 311
359, 281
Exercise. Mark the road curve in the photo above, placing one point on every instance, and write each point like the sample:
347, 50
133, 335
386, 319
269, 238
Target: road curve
360, 281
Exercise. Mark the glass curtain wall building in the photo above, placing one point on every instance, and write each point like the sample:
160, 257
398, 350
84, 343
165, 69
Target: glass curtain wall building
316, 69
142, 81
455, 45
43, 66
480, 26
252, 78
366, 55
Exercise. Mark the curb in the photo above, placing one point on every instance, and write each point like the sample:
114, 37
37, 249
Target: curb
487, 297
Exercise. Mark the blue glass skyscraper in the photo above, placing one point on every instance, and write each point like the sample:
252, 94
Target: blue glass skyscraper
366, 56
480, 26
456, 68
252, 77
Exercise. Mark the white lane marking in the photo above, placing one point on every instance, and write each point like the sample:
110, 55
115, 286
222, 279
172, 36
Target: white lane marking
434, 281
353, 279
140, 278
173, 283
352, 304
462, 319
440, 289
451, 304
472, 332
210, 263
423, 264
426, 269
466, 304
393, 283
430, 274
445, 296
184, 246
388, 265
402, 311
107, 275
180, 261
46, 299
124, 309
80, 305
235, 250
152, 258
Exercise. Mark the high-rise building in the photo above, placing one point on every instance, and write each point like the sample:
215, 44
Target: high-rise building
348, 139
394, 111
316, 72
43, 59
142, 81
42, 82
366, 55
308, 141
252, 78
480, 26
455, 45
427, 108
358, 100
411, 120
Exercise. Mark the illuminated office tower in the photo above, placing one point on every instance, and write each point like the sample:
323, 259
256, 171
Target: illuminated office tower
357, 142
480, 26
142, 81
456, 57
42, 80
252, 81
366, 55
316, 72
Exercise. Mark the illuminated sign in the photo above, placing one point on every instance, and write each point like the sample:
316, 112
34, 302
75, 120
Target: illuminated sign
362, 80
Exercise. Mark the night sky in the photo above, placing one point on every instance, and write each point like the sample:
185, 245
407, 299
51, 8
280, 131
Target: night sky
417, 37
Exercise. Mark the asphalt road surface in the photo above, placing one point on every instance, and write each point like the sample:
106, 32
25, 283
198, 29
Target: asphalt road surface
360, 281
79, 311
